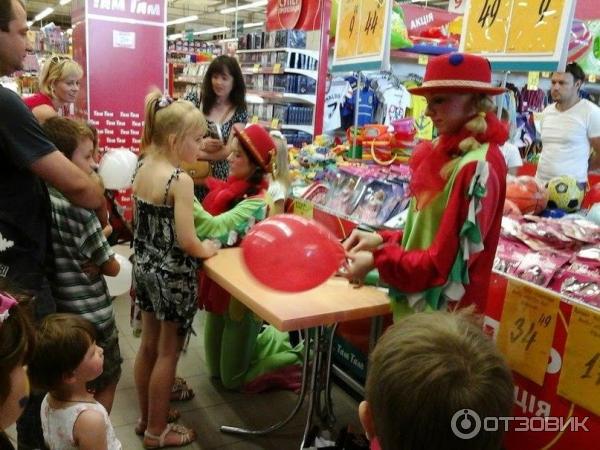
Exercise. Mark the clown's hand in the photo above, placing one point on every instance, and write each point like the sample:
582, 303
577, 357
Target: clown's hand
360, 240
359, 265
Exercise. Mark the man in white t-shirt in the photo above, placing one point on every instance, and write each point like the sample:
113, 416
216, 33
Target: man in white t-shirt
570, 130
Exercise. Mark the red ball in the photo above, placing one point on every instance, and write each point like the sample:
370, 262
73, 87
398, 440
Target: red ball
291, 253
527, 194
592, 196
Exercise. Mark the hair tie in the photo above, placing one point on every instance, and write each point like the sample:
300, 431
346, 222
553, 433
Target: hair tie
164, 101
6, 302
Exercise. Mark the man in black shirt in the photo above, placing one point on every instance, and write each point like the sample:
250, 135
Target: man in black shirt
28, 160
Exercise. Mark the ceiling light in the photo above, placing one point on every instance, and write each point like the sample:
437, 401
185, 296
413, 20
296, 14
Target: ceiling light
257, 4
43, 14
183, 20
253, 24
173, 37
64, 2
29, 23
212, 31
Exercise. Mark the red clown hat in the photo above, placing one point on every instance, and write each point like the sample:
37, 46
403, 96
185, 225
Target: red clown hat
257, 142
459, 73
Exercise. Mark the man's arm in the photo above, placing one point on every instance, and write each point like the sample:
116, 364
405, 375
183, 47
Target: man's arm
595, 156
56, 169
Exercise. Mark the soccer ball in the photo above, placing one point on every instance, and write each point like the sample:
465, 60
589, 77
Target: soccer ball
565, 193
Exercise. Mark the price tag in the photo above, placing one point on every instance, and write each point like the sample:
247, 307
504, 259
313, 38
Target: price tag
592, 78
527, 329
423, 59
303, 208
533, 81
275, 123
487, 26
256, 68
347, 39
254, 119
546, 74
277, 68
580, 374
373, 15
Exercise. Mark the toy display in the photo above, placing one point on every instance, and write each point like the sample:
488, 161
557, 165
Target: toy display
565, 193
526, 194
379, 201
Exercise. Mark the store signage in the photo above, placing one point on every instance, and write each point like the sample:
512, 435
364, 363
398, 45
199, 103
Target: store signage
580, 375
518, 35
294, 14
152, 10
419, 18
457, 6
362, 36
527, 329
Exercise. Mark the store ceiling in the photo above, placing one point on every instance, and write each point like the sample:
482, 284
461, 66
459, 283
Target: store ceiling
207, 10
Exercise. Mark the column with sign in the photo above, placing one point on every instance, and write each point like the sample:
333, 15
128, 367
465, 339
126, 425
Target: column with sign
527, 329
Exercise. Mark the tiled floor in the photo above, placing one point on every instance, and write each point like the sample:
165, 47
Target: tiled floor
213, 406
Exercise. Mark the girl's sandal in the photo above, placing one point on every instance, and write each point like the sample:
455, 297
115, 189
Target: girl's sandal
180, 390
184, 435
172, 416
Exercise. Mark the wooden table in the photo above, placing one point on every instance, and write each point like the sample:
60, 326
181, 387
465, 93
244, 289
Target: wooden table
334, 301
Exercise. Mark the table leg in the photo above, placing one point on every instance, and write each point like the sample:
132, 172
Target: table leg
327, 414
299, 402
314, 381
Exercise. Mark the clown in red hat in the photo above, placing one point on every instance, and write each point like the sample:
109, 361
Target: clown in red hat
226, 214
443, 257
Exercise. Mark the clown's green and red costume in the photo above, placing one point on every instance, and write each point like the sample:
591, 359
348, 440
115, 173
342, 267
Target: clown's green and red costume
447, 248
237, 351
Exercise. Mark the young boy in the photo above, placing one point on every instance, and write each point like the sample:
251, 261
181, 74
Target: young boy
425, 371
82, 255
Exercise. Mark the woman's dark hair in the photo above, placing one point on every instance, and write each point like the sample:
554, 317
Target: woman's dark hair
223, 65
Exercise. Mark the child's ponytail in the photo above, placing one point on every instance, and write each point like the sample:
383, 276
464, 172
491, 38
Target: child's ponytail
150, 109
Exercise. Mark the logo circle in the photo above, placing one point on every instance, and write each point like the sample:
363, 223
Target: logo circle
465, 424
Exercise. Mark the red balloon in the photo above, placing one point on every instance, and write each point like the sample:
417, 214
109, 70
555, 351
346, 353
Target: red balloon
291, 253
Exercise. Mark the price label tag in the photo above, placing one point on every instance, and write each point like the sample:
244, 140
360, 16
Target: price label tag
275, 123
487, 26
580, 374
423, 59
254, 119
592, 78
347, 38
303, 208
546, 74
277, 68
533, 81
372, 16
256, 68
527, 329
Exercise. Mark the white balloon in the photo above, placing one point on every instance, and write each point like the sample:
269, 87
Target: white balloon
122, 282
117, 167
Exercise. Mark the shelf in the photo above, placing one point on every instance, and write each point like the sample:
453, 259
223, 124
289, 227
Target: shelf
188, 79
290, 126
300, 98
270, 71
312, 53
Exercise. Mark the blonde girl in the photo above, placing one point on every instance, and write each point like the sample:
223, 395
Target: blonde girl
166, 258
59, 86
279, 179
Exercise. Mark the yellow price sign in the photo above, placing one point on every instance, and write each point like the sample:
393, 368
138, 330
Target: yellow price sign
487, 26
303, 208
534, 26
592, 78
423, 59
254, 119
533, 80
256, 68
275, 123
277, 68
371, 27
580, 374
347, 37
527, 329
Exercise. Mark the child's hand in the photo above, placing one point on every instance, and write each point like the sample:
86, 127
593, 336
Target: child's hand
210, 248
211, 145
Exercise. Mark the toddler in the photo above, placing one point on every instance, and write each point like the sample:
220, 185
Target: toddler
66, 359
